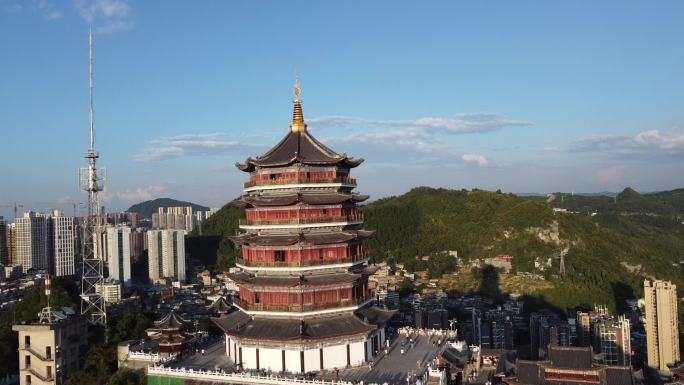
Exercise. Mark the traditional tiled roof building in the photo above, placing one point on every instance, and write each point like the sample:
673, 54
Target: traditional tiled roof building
304, 304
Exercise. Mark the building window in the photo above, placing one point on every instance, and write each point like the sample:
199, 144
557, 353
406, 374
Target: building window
280, 256
27, 341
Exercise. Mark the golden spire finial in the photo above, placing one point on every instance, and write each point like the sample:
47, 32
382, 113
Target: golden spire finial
297, 90
298, 116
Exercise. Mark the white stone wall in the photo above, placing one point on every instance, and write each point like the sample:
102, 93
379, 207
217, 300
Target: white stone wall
312, 360
292, 361
356, 355
249, 358
334, 356
271, 359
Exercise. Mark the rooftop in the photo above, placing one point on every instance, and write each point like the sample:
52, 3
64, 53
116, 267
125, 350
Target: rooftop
298, 146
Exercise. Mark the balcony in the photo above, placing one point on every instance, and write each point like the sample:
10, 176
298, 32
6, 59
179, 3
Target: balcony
301, 221
299, 307
285, 181
314, 262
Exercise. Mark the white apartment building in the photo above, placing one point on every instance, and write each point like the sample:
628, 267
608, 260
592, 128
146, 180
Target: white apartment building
111, 292
32, 241
119, 253
62, 244
166, 251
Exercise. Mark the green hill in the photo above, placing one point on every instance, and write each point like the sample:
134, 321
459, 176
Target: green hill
608, 254
147, 208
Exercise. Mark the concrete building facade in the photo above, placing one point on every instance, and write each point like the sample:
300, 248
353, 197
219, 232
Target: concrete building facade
119, 254
32, 241
166, 254
4, 249
62, 244
49, 351
662, 328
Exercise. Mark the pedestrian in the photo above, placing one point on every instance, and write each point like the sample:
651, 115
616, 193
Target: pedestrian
202, 351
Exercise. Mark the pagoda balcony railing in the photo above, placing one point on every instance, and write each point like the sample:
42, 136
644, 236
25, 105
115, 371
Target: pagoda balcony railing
283, 181
313, 262
358, 217
299, 307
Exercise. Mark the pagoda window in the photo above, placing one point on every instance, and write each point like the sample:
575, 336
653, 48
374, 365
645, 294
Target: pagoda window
279, 255
257, 297
320, 254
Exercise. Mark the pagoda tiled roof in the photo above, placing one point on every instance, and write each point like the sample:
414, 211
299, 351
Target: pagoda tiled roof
171, 321
316, 238
298, 147
220, 306
297, 280
313, 198
243, 325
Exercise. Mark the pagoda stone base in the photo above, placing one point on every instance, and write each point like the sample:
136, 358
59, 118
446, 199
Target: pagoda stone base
305, 357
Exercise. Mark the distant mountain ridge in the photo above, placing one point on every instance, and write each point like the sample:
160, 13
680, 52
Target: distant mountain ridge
147, 208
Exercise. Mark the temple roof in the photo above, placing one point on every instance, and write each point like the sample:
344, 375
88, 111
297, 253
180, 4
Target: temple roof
171, 321
375, 315
220, 306
300, 280
243, 325
313, 198
316, 238
298, 146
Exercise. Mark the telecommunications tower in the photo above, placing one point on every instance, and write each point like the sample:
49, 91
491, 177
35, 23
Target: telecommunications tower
91, 180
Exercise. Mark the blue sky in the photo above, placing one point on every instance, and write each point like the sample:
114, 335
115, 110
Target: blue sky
523, 96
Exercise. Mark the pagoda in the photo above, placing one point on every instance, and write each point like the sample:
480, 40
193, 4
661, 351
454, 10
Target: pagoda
304, 302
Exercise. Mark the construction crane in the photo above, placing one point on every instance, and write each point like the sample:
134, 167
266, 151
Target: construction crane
91, 180
16, 208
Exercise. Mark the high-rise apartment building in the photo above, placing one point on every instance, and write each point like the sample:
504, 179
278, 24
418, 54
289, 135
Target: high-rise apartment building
662, 329
4, 249
32, 241
62, 247
137, 242
12, 243
166, 252
180, 218
613, 341
119, 253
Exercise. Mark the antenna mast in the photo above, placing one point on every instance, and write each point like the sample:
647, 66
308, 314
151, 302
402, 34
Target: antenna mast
91, 180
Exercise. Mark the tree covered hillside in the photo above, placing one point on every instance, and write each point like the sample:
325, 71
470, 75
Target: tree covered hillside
607, 257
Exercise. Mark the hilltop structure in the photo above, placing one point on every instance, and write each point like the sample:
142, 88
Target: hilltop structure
305, 303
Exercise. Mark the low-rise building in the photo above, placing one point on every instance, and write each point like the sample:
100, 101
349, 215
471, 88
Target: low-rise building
51, 348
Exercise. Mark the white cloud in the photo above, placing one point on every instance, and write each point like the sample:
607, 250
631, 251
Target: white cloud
644, 143
670, 141
140, 194
107, 16
48, 10
189, 145
474, 159
471, 122
65, 199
